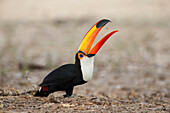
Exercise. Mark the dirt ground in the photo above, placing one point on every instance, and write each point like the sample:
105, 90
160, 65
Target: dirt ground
132, 70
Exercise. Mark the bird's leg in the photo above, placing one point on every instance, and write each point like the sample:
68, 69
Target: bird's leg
69, 92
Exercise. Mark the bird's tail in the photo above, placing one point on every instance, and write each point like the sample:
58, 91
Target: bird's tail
41, 93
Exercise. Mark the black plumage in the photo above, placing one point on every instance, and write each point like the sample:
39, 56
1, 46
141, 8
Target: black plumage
63, 78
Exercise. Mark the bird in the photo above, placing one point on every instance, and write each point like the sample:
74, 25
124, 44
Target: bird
67, 76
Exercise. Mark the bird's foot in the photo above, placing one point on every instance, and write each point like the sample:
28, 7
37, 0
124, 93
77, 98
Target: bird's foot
68, 95
72, 96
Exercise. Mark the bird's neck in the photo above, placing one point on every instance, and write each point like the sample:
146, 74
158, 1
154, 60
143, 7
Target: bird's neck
85, 67
78, 66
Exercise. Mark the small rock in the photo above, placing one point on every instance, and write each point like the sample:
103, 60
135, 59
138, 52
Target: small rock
1, 106
68, 105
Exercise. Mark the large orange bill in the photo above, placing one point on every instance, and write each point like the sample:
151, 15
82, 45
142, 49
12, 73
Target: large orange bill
96, 48
91, 35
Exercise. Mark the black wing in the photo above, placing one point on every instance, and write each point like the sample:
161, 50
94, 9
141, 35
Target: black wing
60, 75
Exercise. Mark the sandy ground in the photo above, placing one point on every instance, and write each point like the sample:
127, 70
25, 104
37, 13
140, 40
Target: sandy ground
131, 70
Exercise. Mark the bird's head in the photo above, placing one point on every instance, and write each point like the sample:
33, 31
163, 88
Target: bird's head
87, 42
85, 53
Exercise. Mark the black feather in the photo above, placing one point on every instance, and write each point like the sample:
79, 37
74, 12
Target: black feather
63, 78
61, 75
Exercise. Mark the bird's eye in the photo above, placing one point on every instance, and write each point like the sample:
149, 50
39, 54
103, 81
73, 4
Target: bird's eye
80, 55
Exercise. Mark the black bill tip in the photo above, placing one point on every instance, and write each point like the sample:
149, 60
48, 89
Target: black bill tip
102, 22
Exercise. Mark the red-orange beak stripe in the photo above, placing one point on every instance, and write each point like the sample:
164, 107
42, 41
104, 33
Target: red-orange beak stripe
89, 38
96, 48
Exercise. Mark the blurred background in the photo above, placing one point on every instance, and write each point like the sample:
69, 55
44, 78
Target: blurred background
37, 36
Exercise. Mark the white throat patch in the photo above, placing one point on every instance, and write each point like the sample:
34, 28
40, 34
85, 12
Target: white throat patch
87, 65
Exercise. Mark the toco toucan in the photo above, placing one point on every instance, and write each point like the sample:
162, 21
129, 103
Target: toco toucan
67, 76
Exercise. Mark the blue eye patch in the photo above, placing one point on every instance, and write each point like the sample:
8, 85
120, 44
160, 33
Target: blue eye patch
81, 55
